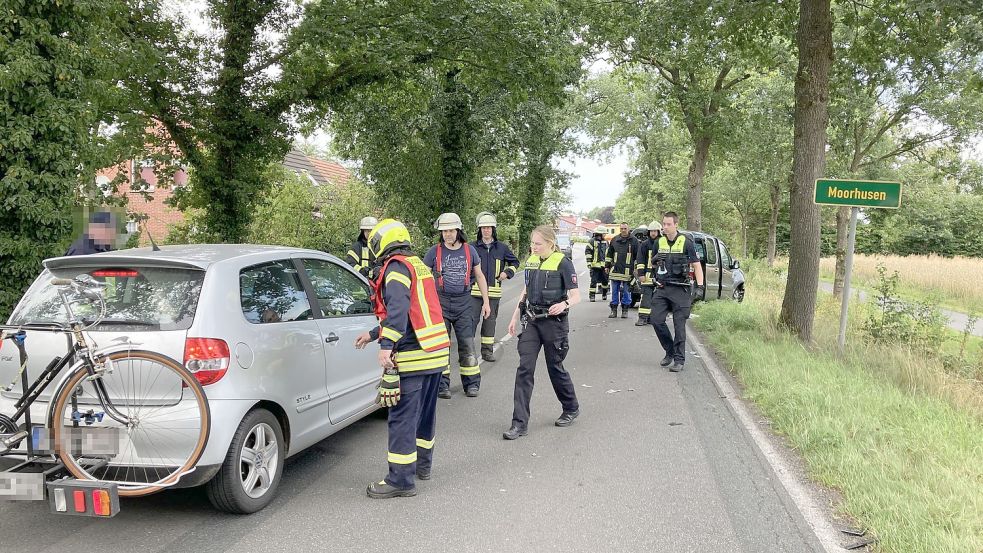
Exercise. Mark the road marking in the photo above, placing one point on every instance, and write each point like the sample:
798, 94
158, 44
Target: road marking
829, 536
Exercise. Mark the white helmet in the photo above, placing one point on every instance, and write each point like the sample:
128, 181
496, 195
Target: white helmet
486, 219
448, 221
655, 225
368, 223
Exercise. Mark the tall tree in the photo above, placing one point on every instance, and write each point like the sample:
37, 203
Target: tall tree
51, 73
814, 40
903, 82
703, 49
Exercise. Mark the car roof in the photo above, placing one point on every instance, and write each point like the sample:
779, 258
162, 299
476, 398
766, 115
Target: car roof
185, 255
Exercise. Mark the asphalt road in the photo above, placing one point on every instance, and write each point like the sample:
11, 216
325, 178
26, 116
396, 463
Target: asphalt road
656, 462
957, 321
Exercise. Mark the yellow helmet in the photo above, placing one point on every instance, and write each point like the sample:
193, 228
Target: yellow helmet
388, 235
448, 221
368, 223
486, 219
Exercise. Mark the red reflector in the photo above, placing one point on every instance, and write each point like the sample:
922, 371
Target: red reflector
100, 502
115, 273
206, 358
78, 496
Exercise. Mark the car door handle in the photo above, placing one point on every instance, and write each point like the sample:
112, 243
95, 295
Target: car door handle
332, 338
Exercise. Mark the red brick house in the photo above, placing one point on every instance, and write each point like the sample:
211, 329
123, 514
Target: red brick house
161, 216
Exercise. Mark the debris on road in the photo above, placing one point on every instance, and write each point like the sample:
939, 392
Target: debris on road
612, 391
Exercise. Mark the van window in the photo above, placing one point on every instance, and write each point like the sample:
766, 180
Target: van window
273, 293
137, 298
711, 251
725, 258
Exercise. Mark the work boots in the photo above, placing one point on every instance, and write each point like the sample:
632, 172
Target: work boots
614, 312
642, 321
624, 311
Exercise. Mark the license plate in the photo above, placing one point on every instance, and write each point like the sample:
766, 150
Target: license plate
21, 486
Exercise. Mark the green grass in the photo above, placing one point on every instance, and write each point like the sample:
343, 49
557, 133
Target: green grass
900, 437
911, 292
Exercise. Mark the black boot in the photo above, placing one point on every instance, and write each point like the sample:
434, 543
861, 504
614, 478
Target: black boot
514, 432
382, 490
592, 297
642, 321
667, 360
614, 312
624, 311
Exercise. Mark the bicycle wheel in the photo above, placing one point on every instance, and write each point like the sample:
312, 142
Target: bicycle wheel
167, 423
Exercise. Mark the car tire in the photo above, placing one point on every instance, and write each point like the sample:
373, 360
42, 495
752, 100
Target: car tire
227, 491
739, 294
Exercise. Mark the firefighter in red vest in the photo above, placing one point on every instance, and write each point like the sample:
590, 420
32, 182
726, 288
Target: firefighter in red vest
455, 264
413, 350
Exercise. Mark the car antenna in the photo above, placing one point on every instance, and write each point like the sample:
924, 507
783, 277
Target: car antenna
153, 245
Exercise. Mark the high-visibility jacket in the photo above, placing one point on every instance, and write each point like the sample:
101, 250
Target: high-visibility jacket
619, 258
674, 267
544, 283
643, 261
595, 252
496, 258
359, 256
418, 332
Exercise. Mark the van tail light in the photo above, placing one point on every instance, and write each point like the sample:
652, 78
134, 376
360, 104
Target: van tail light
207, 358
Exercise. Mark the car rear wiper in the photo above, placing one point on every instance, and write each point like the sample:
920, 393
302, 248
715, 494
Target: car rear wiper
121, 322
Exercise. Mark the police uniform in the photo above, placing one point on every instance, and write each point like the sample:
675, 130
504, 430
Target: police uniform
595, 253
620, 255
547, 282
495, 259
672, 295
411, 325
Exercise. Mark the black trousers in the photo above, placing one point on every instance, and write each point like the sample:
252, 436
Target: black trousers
598, 282
675, 300
487, 326
550, 335
458, 315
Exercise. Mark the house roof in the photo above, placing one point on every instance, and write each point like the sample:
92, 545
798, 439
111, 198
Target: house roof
321, 171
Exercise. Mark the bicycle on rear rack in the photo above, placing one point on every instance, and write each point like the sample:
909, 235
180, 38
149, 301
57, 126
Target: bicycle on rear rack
135, 419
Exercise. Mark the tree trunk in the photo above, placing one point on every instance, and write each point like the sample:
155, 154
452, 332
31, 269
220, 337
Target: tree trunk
694, 197
842, 228
776, 206
532, 201
815, 46
455, 137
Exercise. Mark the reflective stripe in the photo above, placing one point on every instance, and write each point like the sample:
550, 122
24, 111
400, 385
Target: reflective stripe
391, 334
470, 371
400, 459
402, 279
487, 340
425, 444
446, 371
353, 255
644, 311
420, 360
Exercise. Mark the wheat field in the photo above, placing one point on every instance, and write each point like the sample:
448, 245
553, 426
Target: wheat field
954, 282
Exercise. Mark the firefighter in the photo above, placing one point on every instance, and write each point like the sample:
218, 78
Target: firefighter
675, 258
643, 271
359, 255
456, 264
618, 264
413, 350
595, 253
550, 290
498, 264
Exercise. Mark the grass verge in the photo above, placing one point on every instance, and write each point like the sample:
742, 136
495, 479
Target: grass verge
898, 435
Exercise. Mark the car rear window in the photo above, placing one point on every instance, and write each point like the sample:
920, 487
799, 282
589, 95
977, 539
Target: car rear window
137, 298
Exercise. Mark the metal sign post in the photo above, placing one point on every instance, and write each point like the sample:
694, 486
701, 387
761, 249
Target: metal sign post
855, 194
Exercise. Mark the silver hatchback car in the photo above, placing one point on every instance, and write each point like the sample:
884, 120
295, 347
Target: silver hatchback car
276, 324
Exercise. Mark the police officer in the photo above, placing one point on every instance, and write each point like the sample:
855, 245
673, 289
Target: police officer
359, 255
595, 253
675, 258
499, 264
550, 289
99, 235
618, 264
456, 264
413, 349
644, 273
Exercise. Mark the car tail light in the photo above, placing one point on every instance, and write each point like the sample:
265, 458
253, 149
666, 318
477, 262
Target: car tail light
87, 498
115, 273
78, 497
101, 503
206, 358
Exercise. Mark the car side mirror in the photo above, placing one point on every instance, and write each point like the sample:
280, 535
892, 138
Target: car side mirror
736, 265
